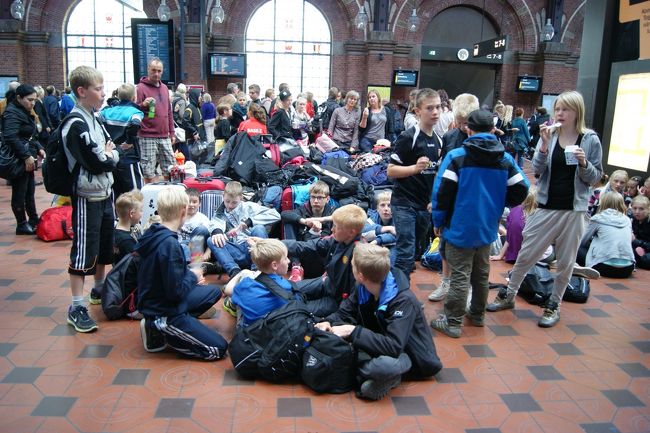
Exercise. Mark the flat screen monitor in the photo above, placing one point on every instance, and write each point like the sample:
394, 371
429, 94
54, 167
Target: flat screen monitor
405, 78
153, 39
227, 65
529, 84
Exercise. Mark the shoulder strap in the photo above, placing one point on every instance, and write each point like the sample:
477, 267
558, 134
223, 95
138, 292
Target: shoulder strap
275, 288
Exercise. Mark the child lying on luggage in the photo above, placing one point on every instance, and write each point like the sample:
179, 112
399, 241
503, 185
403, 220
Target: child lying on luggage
394, 338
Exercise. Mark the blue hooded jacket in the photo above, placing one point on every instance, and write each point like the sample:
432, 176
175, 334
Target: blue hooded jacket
474, 184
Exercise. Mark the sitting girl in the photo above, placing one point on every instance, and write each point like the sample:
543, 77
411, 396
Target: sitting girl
610, 234
617, 182
641, 231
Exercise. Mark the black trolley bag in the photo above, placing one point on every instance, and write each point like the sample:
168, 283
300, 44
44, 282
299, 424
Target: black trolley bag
271, 348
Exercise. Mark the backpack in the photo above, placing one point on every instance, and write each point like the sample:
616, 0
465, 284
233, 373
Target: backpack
341, 184
55, 224
329, 364
537, 285
245, 151
325, 111
431, 259
57, 179
577, 291
120, 286
271, 348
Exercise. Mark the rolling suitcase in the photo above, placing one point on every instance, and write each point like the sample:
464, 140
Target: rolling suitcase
150, 192
204, 183
210, 201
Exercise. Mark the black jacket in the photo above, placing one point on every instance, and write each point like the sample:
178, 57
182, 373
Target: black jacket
396, 325
338, 263
192, 119
452, 140
641, 232
293, 217
388, 128
280, 125
19, 131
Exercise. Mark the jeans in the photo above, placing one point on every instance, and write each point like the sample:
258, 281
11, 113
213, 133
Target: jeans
233, 256
469, 267
201, 231
412, 226
385, 367
366, 144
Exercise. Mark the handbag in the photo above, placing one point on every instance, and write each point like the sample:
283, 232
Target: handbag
10, 166
179, 133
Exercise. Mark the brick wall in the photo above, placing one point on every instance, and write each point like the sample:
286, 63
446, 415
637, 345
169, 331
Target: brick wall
44, 62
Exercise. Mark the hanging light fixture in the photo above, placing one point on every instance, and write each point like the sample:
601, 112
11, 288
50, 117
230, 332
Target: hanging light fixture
414, 21
218, 14
361, 20
18, 9
548, 31
164, 13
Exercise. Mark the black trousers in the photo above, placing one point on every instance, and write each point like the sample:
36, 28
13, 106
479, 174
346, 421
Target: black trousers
22, 198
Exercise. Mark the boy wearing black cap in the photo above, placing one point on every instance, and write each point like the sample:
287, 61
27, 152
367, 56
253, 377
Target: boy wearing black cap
481, 174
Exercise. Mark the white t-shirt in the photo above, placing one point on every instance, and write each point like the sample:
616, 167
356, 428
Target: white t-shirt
190, 224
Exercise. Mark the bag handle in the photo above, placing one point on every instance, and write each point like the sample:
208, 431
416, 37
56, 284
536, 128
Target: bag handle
64, 228
275, 288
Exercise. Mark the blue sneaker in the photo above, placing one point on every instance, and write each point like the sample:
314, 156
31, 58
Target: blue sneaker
79, 318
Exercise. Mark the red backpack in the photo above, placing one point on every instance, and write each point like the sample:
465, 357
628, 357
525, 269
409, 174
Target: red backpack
55, 224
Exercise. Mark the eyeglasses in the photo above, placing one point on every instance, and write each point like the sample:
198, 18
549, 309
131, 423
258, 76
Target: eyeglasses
318, 197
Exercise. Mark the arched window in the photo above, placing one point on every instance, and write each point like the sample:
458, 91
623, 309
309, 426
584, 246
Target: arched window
289, 41
98, 34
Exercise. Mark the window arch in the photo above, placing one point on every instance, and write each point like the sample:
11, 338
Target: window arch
289, 41
98, 34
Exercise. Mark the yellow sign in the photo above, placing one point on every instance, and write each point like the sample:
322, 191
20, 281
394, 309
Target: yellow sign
384, 91
638, 12
629, 146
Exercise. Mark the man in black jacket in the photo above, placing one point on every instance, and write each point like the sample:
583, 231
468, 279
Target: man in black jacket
384, 321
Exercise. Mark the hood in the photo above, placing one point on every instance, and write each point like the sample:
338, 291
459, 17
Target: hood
387, 292
611, 217
145, 80
484, 147
194, 95
150, 241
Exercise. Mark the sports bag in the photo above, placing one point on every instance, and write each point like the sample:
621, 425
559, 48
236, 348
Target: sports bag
57, 179
577, 291
55, 224
271, 348
341, 184
537, 285
329, 364
120, 286
432, 259
335, 154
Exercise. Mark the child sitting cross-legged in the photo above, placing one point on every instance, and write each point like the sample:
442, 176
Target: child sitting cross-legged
385, 322
171, 295
249, 290
380, 229
237, 221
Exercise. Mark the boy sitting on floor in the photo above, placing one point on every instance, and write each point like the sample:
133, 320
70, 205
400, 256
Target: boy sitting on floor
235, 222
170, 294
383, 319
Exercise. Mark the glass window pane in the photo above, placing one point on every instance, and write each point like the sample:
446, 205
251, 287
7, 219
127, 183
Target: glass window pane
80, 57
259, 69
259, 45
261, 24
288, 20
316, 48
108, 17
81, 21
288, 47
288, 70
316, 27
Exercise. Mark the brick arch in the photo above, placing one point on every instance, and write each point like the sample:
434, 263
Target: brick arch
575, 22
520, 28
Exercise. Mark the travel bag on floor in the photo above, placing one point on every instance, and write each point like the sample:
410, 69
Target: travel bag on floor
204, 183
150, 193
55, 224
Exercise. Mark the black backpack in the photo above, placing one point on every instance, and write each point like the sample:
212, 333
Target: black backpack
537, 287
577, 291
245, 151
342, 184
329, 364
325, 111
56, 176
120, 286
272, 347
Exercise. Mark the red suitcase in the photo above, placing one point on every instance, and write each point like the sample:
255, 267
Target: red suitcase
204, 183
286, 200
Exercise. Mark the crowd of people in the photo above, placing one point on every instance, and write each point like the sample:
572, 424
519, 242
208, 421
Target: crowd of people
454, 169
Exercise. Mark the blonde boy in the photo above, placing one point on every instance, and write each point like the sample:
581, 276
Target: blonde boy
171, 295
336, 252
394, 333
88, 151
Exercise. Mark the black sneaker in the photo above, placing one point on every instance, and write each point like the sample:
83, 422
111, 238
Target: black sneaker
374, 389
95, 297
79, 318
152, 339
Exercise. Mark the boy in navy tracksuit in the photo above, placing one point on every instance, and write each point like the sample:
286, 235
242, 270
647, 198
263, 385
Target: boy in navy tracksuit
170, 294
383, 319
481, 174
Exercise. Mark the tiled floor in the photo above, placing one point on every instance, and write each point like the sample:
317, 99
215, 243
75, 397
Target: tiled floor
591, 373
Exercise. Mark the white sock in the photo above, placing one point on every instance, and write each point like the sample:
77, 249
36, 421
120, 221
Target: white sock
77, 301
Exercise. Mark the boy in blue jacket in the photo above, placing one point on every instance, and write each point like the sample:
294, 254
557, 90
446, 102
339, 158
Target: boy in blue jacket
170, 294
481, 174
383, 319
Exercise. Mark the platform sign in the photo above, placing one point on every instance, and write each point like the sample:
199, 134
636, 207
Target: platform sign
490, 47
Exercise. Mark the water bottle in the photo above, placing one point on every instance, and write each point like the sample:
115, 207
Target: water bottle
196, 250
152, 109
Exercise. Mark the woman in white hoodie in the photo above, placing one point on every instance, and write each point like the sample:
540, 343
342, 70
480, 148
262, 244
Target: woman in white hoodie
610, 233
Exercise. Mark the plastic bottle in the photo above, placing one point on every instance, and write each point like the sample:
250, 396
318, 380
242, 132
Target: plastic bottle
180, 158
152, 109
196, 250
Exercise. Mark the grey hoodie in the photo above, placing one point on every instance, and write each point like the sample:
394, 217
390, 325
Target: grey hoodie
612, 237
584, 178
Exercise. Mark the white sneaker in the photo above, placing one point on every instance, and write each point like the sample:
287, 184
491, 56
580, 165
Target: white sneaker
585, 272
439, 293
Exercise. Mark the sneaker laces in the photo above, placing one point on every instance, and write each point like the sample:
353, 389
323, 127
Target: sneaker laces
83, 312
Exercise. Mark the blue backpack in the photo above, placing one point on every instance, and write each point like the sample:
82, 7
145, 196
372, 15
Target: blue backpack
432, 259
335, 154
